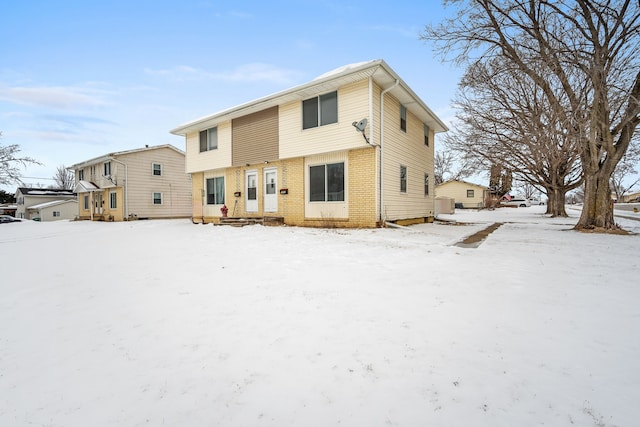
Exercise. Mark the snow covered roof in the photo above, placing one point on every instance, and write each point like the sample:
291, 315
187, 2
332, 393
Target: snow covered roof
115, 154
50, 204
378, 70
27, 191
463, 182
86, 186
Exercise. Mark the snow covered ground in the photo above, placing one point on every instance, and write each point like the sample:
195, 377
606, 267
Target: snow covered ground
167, 323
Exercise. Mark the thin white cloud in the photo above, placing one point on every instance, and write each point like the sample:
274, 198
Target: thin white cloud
402, 31
247, 73
56, 97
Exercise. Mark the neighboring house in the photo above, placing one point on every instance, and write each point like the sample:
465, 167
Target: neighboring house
352, 148
144, 183
8, 209
631, 197
28, 197
465, 194
54, 211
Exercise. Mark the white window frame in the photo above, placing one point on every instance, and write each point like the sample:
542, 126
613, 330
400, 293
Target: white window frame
208, 139
325, 167
107, 168
153, 169
214, 180
153, 198
113, 200
320, 101
403, 179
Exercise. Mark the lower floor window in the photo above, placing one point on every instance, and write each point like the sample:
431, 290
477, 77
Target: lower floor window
403, 179
157, 198
113, 200
470, 193
56, 213
326, 183
426, 184
215, 191
86, 202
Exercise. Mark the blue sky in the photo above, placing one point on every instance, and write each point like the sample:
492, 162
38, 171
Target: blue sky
79, 79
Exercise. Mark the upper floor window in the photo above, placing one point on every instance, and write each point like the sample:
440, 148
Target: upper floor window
80, 174
208, 139
403, 118
157, 169
403, 179
326, 183
426, 135
470, 193
320, 110
107, 168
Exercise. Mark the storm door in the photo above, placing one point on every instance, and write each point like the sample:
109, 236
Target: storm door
251, 192
270, 194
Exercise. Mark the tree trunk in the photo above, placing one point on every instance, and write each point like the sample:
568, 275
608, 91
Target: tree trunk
597, 210
556, 202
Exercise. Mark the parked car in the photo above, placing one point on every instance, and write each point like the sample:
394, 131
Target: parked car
521, 203
5, 219
535, 202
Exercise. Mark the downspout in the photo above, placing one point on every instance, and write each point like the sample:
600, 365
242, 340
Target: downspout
382, 147
126, 185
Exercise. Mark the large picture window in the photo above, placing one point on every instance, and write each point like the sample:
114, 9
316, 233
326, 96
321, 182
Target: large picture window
209, 139
326, 183
320, 110
215, 191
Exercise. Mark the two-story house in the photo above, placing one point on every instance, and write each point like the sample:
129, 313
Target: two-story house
147, 183
351, 148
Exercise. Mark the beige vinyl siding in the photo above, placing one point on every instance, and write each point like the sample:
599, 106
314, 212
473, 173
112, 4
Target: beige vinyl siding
457, 190
255, 137
219, 158
353, 105
405, 149
174, 184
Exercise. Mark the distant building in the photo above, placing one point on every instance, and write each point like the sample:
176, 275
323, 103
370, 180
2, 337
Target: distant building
465, 194
148, 182
26, 198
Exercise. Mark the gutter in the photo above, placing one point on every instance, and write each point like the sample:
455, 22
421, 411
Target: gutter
126, 187
382, 147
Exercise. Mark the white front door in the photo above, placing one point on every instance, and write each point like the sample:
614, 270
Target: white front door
270, 194
251, 191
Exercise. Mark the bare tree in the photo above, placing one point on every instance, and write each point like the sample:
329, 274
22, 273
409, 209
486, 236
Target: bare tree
587, 48
449, 165
10, 161
621, 181
508, 123
64, 178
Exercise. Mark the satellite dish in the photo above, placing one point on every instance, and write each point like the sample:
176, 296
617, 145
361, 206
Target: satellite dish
361, 125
